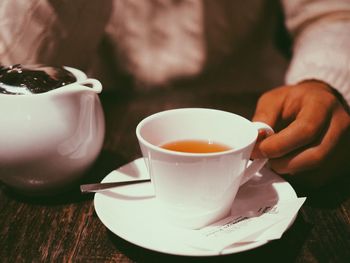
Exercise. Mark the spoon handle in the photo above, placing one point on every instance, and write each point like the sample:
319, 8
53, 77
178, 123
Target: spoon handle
94, 188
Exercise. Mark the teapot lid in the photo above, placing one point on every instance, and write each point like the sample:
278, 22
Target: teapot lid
31, 79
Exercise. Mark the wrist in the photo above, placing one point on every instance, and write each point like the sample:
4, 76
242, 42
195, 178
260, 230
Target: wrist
327, 86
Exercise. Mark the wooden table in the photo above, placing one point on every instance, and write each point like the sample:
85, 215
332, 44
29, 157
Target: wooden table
66, 228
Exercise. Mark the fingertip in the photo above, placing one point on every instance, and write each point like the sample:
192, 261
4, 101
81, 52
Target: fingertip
268, 148
261, 136
257, 153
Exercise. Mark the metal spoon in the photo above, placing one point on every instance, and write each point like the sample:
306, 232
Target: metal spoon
99, 187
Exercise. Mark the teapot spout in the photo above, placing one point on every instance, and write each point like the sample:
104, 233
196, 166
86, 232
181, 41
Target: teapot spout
91, 84
85, 85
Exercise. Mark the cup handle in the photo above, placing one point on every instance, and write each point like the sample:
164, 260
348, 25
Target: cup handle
256, 164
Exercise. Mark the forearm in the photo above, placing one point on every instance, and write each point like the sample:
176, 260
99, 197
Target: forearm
321, 48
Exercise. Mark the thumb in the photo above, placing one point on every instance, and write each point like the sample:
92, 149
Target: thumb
268, 110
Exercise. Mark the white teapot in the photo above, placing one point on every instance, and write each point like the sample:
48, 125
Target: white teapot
49, 139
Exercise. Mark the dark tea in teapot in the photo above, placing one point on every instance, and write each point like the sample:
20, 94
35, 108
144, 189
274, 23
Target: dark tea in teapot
19, 79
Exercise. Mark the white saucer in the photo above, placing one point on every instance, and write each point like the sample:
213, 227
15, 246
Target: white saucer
130, 211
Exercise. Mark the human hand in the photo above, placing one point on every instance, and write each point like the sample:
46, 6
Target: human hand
312, 140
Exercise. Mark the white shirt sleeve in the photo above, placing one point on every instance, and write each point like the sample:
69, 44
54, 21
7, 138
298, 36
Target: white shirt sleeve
321, 33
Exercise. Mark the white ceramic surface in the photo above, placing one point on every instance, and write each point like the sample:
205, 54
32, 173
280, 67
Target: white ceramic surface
132, 213
49, 140
197, 189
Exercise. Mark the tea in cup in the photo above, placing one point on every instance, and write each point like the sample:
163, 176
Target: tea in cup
197, 159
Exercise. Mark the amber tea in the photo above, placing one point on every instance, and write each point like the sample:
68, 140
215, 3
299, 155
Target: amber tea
195, 146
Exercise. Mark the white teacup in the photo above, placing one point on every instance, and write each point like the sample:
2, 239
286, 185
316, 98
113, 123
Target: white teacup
196, 189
